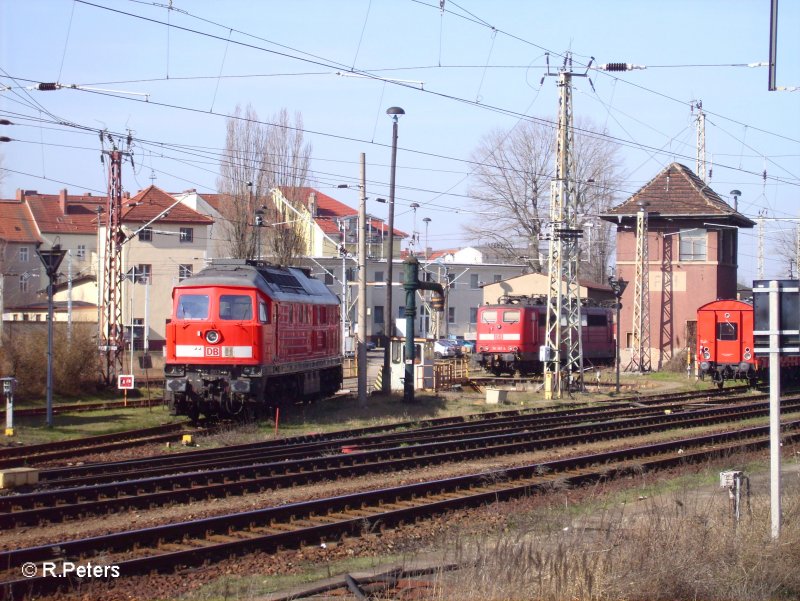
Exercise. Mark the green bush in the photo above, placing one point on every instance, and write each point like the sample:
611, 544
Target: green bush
23, 355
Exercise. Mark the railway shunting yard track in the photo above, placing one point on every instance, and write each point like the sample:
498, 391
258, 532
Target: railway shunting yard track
76, 492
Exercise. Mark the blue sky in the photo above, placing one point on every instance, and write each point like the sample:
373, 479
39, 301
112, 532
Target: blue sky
480, 64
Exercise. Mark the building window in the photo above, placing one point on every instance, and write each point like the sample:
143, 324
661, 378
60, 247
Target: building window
497, 277
328, 279
474, 282
451, 314
401, 311
146, 235
377, 314
24, 252
184, 271
143, 273
351, 274
187, 234
451, 280
473, 314
23, 282
693, 244
81, 252
378, 276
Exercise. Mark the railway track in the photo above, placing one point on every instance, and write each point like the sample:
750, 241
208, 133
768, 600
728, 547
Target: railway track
173, 546
78, 407
50, 451
424, 449
404, 432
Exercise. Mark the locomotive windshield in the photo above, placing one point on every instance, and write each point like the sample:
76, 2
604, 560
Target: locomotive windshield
237, 307
727, 331
511, 316
192, 306
489, 316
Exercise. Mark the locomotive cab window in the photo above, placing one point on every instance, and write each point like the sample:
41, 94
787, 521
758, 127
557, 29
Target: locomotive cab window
511, 316
727, 331
192, 306
236, 307
489, 316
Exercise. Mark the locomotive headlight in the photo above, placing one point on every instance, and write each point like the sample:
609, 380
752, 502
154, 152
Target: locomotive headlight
747, 355
213, 336
744, 366
252, 371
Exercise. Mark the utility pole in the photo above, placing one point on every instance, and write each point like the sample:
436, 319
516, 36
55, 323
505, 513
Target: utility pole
362, 287
563, 294
640, 354
112, 342
760, 259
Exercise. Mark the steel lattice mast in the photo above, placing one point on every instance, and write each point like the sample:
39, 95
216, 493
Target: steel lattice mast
564, 352
640, 347
113, 340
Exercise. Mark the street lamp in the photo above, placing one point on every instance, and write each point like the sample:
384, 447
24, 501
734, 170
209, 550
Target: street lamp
736, 194
618, 286
395, 112
427, 221
51, 259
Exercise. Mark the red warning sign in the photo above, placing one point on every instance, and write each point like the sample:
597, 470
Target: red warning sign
125, 382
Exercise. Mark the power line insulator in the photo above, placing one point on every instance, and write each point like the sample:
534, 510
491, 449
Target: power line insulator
47, 87
615, 67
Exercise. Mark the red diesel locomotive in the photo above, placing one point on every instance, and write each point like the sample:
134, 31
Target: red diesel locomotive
510, 333
246, 335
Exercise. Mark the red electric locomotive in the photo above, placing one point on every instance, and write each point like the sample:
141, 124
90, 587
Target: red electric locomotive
510, 333
725, 349
246, 335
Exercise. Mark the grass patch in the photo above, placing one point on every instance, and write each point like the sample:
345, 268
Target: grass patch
79, 424
248, 587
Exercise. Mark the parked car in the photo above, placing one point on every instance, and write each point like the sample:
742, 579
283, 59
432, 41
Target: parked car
445, 348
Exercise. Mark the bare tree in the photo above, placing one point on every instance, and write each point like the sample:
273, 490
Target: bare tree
259, 157
512, 192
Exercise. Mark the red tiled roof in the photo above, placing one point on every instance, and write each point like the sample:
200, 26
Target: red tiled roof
678, 192
17, 223
65, 214
328, 209
152, 201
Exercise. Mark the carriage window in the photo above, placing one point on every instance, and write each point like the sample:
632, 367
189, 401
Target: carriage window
192, 306
511, 316
489, 317
727, 331
235, 307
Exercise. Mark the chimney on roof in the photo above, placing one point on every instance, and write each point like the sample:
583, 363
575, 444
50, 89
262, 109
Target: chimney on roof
126, 195
312, 204
62, 200
20, 194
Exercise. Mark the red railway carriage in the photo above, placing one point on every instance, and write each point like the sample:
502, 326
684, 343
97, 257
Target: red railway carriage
510, 333
246, 335
725, 348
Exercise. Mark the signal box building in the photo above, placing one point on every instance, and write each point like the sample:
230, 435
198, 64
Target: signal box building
692, 247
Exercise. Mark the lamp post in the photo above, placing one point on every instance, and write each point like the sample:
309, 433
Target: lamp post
395, 112
51, 259
618, 286
414, 240
427, 221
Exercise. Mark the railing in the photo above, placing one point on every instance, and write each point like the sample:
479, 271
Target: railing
449, 373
